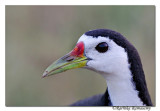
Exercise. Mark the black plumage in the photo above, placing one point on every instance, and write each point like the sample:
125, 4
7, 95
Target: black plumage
97, 100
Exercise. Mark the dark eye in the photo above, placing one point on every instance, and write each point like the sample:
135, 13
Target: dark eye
102, 47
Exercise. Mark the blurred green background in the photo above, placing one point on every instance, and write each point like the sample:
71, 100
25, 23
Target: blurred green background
38, 35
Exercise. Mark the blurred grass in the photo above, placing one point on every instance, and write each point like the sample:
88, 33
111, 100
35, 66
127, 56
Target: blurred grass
38, 35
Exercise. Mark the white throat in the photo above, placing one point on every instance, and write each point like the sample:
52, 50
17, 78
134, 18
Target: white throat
122, 92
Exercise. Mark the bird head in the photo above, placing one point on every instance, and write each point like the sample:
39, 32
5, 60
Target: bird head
115, 58
95, 50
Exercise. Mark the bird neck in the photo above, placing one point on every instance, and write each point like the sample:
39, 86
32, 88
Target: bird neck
121, 89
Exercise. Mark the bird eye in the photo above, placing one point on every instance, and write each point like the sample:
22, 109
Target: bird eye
102, 47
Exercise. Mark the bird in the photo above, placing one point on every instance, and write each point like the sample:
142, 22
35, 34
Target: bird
111, 55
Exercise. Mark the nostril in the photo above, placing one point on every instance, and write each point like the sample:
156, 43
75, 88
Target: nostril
69, 58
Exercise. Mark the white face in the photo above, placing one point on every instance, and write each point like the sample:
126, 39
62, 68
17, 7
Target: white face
114, 67
110, 62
